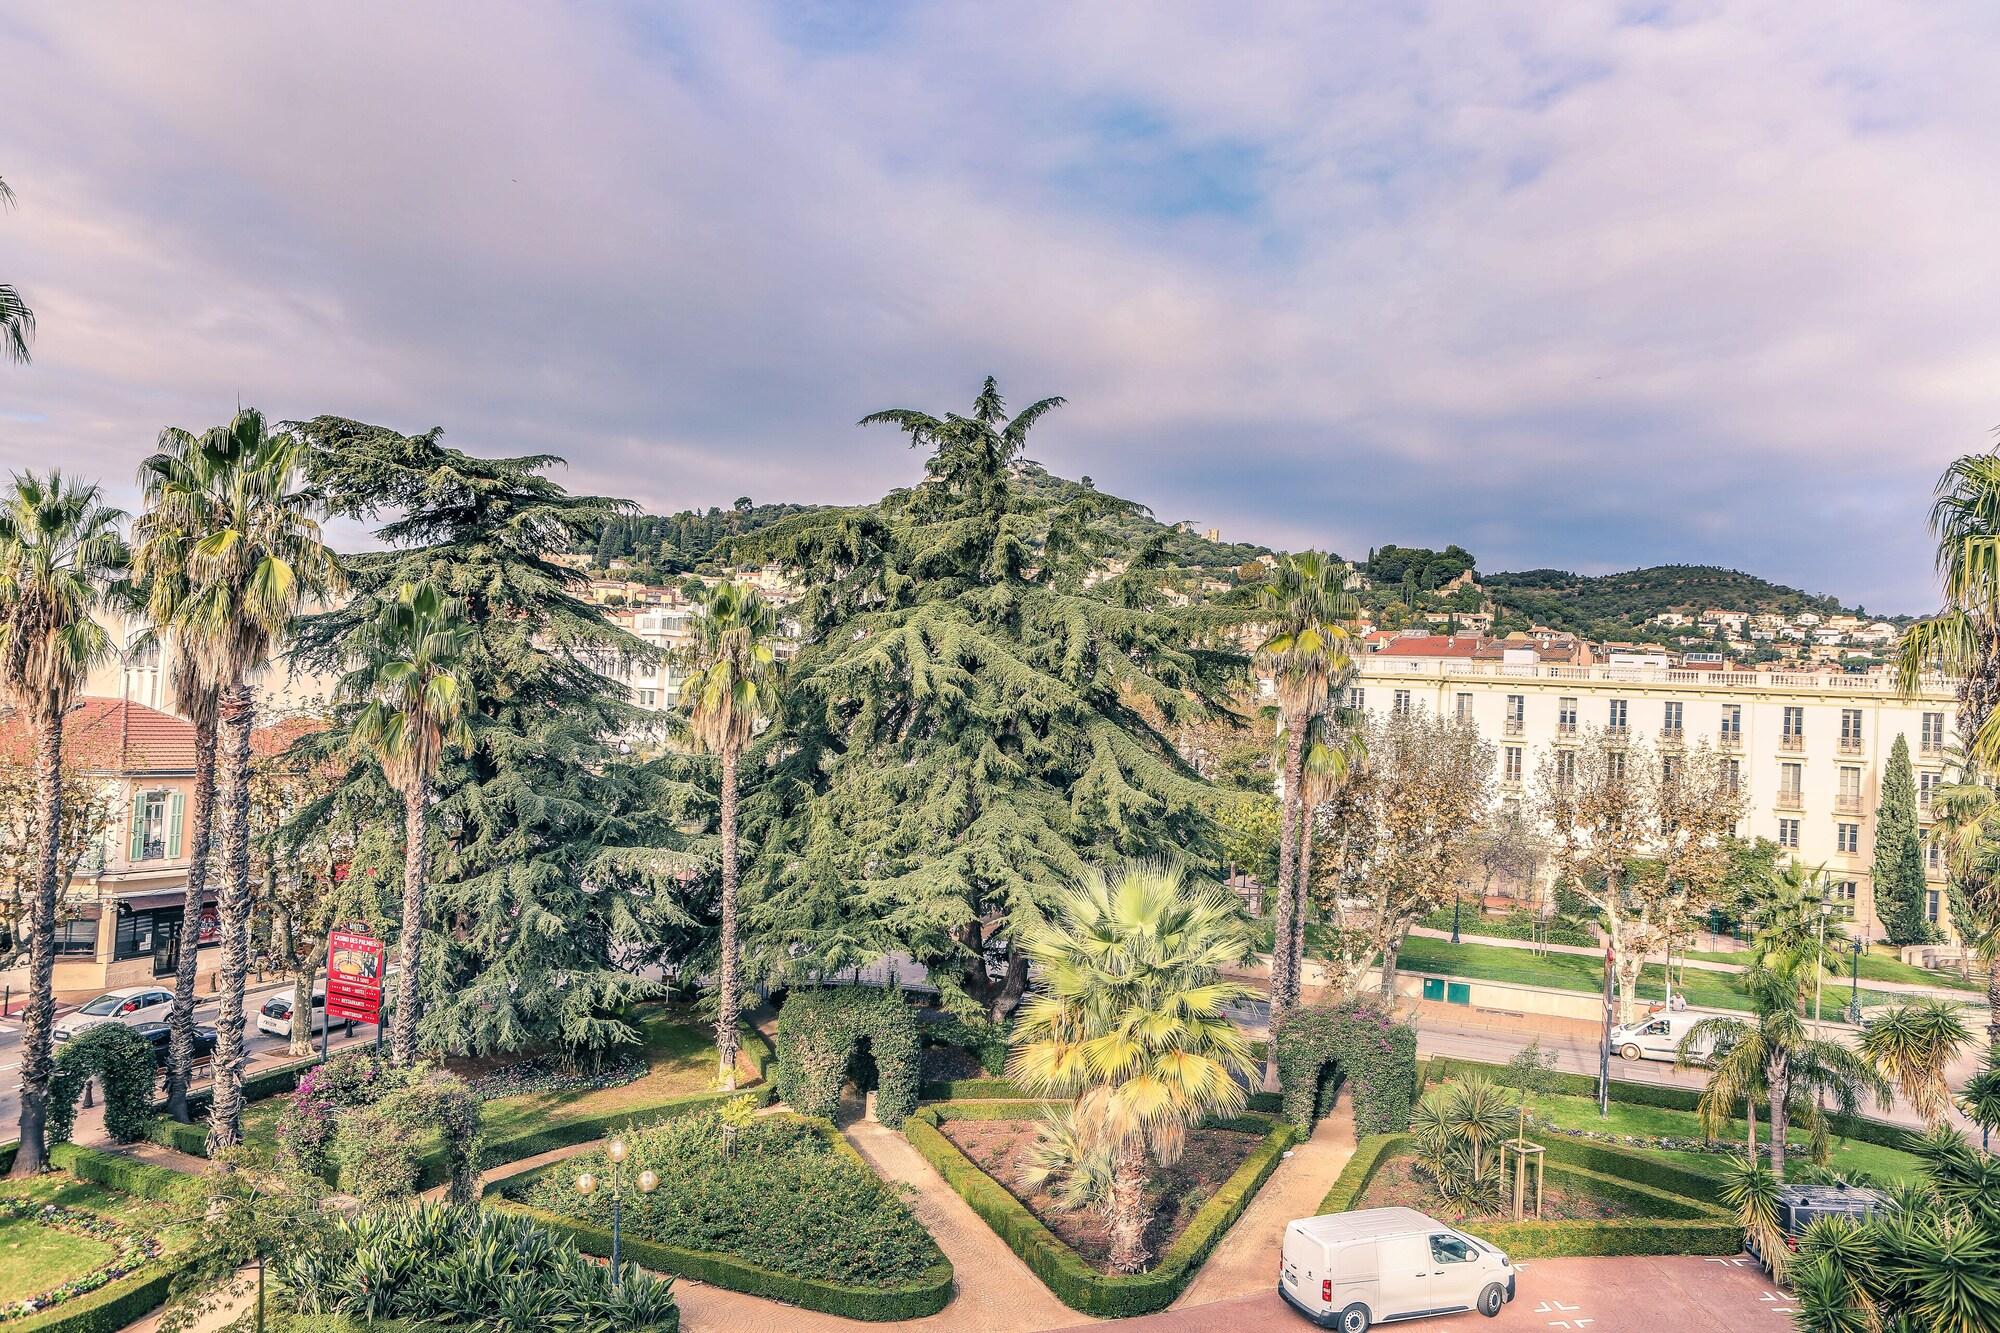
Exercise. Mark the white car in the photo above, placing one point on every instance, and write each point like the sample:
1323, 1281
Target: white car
131, 1006
275, 1014
1658, 1036
1353, 1270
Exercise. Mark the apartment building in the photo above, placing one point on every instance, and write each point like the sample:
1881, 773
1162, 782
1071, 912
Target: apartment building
1809, 747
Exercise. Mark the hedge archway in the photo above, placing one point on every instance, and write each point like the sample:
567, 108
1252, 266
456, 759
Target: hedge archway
122, 1062
818, 1032
1368, 1048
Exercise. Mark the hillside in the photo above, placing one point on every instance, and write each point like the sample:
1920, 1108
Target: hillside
1617, 606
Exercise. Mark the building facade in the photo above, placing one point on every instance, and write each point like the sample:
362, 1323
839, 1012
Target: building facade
1808, 748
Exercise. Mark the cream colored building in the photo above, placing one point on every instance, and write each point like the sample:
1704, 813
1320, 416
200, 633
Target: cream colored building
1810, 747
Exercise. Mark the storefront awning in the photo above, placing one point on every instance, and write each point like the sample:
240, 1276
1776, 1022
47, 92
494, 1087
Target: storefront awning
147, 901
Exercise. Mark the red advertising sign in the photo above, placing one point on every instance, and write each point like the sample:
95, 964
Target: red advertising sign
354, 976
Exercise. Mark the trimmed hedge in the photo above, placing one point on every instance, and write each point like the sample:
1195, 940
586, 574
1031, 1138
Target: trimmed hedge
818, 1031
1371, 1052
1075, 1283
1515, 925
110, 1308
192, 1138
128, 1175
911, 1300
972, 1089
1694, 1225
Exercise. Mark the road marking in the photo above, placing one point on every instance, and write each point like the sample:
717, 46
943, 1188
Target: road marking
1556, 1308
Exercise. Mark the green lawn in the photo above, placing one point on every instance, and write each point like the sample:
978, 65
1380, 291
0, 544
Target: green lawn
34, 1258
1874, 967
1885, 1164
1585, 972
679, 1046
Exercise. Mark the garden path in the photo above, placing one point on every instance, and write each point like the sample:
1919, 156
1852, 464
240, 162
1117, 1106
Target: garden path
1245, 1263
996, 1292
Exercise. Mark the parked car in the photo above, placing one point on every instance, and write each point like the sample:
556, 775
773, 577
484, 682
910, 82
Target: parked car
1658, 1036
131, 1006
1349, 1271
1800, 1205
275, 1014
159, 1036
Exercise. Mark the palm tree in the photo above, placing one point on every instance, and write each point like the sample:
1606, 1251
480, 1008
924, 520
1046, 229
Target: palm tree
731, 690
1980, 1098
1752, 1190
254, 558
1964, 811
17, 322
179, 483
416, 702
60, 559
1129, 1018
1309, 611
1334, 745
1911, 1044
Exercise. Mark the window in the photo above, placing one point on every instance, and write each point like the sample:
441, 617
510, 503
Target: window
156, 826
1788, 833
1933, 732
134, 937
1616, 719
1670, 723
1566, 768
1517, 714
1791, 780
1732, 773
1732, 722
1795, 721
1566, 715
1670, 768
1931, 905
1926, 784
1402, 701
1511, 761
648, 698
1850, 728
1848, 837
1933, 854
1614, 765
1465, 708
1450, 1249
1357, 698
1842, 898
76, 937
1850, 781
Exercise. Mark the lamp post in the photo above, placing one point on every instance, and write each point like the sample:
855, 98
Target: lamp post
586, 1184
1455, 897
1819, 963
1854, 1003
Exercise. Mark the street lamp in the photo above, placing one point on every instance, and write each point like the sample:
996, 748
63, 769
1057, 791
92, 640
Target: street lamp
586, 1184
1854, 1004
1819, 961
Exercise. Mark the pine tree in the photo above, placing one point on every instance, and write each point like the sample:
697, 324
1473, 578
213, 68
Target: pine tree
1899, 856
967, 729
533, 900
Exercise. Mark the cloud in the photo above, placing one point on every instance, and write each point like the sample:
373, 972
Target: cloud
1589, 285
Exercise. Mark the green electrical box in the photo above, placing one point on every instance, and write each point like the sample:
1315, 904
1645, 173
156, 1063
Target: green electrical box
1458, 992
1433, 988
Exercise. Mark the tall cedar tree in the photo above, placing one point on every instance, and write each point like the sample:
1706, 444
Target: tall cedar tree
1899, 854
530, 922
967, 729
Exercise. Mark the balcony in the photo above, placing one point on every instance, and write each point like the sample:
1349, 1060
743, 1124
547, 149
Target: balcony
1931, 749
1730, 740
1514, 726
1671, 735
1617, 735
1794, 742
1566, 728
1850, 745
1847, 805
1790, 800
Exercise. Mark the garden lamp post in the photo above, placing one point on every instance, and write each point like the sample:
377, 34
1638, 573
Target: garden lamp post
587, 1184
1456, 896
1856, 948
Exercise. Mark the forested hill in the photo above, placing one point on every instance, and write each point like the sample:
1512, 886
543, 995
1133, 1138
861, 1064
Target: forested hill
1606, 605
658, 547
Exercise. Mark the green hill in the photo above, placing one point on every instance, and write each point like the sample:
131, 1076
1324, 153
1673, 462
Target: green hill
1618, 606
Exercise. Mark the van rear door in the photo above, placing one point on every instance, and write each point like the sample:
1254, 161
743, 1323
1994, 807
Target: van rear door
1303, 1268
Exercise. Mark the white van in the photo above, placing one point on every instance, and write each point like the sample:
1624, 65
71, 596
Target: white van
1376, 1265
1658, 1036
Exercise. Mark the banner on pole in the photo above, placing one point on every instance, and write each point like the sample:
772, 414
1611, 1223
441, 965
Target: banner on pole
354, 976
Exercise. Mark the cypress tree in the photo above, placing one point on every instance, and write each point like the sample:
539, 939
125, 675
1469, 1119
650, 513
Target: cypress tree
971, 724
544, 829
1899, 858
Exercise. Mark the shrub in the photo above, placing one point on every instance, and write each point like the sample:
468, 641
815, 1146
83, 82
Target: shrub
1074, 1282
818, 1031
1516, 925
364, 1121
451, 1265
122, 1061
988, 1042
127, 1174
1375, 1055
784, 1193
109, 1308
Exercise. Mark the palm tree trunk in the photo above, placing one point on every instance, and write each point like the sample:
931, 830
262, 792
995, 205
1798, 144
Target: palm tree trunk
1295, 966
1288, 865
302, 1041
38, 1020
180, 1019
416, 837
727, 1002
1781, 1112
225, 1112
1128, 1206
1993, 1001
1750, 1114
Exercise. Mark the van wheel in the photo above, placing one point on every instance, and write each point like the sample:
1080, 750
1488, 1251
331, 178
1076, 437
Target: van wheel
1490, 1300
1628, 1051
1354, 1319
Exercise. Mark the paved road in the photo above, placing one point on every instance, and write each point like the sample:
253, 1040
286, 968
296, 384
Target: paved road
1564, 1295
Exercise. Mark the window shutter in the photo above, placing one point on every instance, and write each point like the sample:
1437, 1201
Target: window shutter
175, 802
136, 844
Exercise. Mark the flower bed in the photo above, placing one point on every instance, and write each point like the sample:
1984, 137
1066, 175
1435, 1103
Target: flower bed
1074, 1282
130, 1250
781, 1208
552, 1073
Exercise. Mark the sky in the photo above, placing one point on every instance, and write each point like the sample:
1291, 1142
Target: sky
1591, 285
